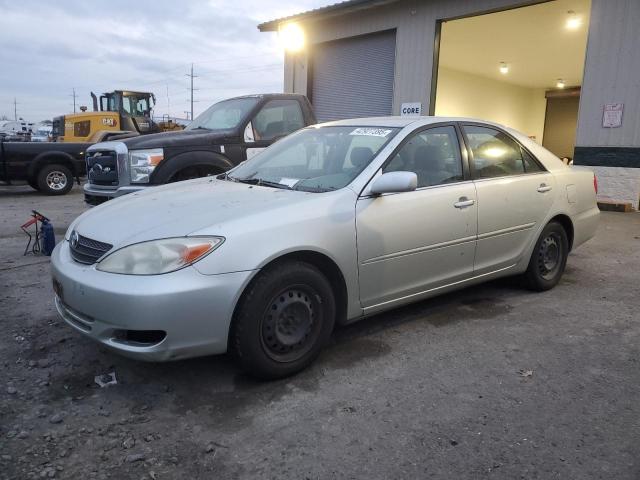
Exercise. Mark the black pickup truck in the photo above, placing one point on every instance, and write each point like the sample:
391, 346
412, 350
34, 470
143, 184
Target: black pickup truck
224, 135
47, 167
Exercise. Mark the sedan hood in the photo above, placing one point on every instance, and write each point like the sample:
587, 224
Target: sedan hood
180, 209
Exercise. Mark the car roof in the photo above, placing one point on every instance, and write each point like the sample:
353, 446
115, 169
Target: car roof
548, 159
397, 121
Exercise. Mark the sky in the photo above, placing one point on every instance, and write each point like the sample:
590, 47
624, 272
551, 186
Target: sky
48, 48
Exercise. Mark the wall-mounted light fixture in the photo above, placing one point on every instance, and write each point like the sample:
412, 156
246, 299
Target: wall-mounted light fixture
560, 83
573, 20
504, 68
291, 37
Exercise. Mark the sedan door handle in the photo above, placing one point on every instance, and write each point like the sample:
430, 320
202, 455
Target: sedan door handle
464, 202
544, 188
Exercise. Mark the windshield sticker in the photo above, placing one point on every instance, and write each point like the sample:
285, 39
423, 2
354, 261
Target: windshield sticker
289, 182
371, 132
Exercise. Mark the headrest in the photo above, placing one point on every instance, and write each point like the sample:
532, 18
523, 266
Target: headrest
360, 156
429, 157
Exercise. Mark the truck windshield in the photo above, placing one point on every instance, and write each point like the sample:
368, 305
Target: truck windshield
316, 159
224, 115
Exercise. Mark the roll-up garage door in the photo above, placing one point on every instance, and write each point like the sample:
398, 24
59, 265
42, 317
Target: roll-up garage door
354, 77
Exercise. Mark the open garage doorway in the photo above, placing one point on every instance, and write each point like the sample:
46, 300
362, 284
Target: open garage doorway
521, 67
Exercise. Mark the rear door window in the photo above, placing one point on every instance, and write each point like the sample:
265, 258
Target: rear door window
495, 154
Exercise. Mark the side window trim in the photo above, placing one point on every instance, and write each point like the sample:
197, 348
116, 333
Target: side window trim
520, 145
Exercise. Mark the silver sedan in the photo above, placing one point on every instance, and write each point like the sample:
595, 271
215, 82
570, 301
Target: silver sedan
328, 226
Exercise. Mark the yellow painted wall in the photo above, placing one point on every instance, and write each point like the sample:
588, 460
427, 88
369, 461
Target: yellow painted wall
461, 94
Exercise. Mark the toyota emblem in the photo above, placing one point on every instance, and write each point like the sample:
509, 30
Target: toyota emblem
74, 239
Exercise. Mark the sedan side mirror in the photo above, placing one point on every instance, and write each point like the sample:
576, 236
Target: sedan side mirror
394, 182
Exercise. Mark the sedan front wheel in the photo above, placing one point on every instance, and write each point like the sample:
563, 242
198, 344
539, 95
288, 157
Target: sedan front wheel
283, 320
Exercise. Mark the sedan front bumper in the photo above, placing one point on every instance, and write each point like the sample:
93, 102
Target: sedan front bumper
193, 311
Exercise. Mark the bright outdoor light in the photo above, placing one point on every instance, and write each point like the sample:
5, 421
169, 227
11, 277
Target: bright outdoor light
573, 21
560, 83
504, 68
292, 37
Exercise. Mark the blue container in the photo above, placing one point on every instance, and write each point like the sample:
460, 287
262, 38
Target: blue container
48, 238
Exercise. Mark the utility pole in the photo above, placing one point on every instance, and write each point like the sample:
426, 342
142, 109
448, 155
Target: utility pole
74, 100
15, 109
168, 103
192, 76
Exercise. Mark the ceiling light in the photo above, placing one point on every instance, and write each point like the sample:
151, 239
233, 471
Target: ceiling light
560, 83
504, 68
573, 21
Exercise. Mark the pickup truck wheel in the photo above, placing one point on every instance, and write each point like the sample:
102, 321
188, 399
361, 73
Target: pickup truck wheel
55, 179
284, 318
548, 259
197, 171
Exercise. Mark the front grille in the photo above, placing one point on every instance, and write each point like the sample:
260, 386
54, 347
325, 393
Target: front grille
102, 168
87, 250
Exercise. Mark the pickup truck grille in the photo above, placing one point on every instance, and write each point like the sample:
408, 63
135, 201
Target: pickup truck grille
87, 250
102, 168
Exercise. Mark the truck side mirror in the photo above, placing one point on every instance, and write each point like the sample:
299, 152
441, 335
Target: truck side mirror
248, 133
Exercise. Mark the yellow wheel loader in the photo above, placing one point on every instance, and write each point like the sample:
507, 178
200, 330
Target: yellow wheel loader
121, 113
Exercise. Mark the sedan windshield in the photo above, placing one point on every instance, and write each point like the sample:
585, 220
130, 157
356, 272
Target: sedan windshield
316, 159
224, 115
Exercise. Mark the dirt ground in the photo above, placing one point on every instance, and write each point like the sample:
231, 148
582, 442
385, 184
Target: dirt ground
490, 382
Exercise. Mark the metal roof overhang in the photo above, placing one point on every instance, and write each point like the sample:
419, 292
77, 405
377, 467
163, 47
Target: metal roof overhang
332, 10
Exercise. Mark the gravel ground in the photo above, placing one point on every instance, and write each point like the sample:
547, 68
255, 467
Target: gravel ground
490, 382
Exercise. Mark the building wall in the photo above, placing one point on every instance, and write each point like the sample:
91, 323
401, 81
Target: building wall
415, 25
462, 94
612, 70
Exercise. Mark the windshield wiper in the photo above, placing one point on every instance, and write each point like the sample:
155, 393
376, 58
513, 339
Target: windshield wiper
262, 182
199, 128
312, 189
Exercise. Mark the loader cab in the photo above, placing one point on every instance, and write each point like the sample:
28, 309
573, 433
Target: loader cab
135, 109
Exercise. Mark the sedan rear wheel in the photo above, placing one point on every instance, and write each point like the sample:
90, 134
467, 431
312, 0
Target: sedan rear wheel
549, 258
283, 319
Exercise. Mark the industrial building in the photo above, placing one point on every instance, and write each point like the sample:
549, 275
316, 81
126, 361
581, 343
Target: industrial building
565, 72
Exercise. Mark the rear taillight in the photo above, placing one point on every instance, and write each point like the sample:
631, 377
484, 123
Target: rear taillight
595, 183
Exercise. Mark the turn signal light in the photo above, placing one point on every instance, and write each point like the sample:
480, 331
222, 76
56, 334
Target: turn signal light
191, 254
595, 183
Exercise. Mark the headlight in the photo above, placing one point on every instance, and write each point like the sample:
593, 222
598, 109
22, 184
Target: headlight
159, 256
143, 162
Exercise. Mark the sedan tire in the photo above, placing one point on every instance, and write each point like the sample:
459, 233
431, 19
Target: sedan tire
549, 258
283, 319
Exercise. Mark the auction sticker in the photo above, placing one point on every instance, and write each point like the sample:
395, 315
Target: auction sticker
289, 182
371, 132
